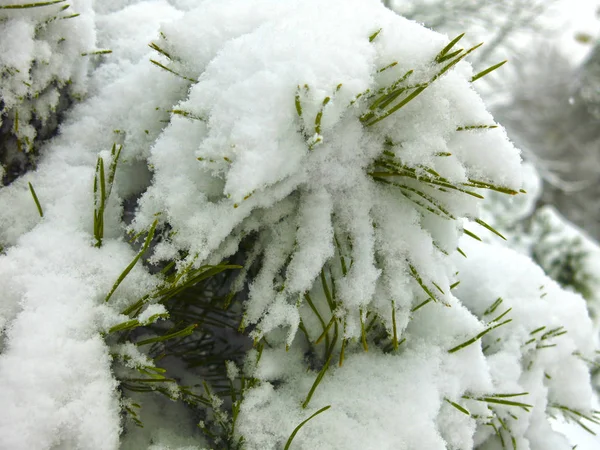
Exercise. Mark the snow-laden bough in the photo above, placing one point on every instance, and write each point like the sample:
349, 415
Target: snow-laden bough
360, 141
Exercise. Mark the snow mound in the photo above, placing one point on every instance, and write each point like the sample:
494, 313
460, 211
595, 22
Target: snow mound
323, 139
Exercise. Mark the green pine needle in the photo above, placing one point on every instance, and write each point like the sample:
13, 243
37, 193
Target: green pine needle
178, 334
319, 115
389, 66
448, 47
293, 435
127, 325
297, 102
374, 35
419, 280
449, 56
483, 73
457, 406
156, 48
492, 187
97, 52
35, 199
188, 115
102, 192
133, 262
500, 399
477, 127
316, 311
489, 227
325, 330
156, 63
420, 305
99, 202
394, 327
479, 336
493, 307
471, 234
316, 382
363, 332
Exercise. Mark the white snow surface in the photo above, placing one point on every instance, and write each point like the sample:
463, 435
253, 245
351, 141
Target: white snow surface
55, 375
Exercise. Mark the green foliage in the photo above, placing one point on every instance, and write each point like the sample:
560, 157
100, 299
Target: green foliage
291, 438
563, 256
102, 189
36, 200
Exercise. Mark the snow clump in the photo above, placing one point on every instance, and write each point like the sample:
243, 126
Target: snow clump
338, 143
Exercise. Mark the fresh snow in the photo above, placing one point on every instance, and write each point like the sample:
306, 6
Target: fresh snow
232, 138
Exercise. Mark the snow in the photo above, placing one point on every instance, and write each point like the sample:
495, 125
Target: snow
364, 411
55, 369
127, 31
372, 394
253, 153
41, 56
258, 130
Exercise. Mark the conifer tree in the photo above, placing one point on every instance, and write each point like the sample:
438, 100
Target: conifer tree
268, 234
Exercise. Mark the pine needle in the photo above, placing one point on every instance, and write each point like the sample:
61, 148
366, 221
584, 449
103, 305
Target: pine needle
479, 336
471, 234
374, 35
489, 227
162, 66
316, 383
293, 435
483, 73
134, 262
457, 406
35, 199
97, 52
448, 47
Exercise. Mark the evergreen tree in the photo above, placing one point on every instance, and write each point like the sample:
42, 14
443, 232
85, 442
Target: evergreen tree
266, 234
